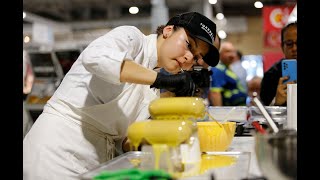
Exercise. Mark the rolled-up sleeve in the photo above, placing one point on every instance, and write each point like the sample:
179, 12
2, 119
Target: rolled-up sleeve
104, 56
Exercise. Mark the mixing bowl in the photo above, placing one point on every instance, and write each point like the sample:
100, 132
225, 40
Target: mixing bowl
277, 154
214, 136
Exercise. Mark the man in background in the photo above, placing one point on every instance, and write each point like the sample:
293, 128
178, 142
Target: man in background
240, 71
226, 89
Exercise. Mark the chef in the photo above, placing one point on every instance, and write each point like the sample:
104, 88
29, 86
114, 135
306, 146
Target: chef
109, 87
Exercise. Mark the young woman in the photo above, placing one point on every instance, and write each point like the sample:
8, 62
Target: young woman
108, 87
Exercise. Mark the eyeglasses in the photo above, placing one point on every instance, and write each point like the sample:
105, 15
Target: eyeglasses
290, 43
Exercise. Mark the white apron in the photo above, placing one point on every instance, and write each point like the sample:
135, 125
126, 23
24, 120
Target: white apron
67, 147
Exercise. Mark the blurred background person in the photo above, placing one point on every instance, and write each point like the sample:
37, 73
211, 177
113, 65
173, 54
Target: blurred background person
240, 71
226, 88
273, 91
28, 79
254, 85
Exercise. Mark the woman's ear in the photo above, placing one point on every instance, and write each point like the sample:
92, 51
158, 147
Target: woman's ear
167, 31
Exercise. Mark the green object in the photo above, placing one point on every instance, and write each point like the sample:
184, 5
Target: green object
133, 174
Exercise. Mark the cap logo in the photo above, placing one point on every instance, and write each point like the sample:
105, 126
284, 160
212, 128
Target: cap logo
207, 30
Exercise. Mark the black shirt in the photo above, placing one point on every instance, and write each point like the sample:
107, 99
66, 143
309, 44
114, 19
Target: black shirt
270, 82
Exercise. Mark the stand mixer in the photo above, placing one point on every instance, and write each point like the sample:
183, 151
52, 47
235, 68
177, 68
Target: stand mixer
171, 134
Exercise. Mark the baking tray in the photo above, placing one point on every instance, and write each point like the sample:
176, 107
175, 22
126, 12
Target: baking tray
238, 169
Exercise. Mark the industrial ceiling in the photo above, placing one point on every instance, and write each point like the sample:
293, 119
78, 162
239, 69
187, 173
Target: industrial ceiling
91, 10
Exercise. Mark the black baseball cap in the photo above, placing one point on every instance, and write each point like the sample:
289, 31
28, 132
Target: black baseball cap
201, 27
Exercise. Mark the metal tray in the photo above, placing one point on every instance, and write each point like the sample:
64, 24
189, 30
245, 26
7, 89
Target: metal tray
127, 160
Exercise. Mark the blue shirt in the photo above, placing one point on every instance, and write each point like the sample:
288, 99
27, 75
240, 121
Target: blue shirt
228, 84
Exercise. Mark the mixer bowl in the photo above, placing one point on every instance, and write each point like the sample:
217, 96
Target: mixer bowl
214, 136
277, 154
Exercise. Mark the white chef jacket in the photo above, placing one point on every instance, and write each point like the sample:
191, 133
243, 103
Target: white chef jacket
91, 93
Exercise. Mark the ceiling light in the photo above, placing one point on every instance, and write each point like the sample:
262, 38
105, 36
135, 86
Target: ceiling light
258, 4
219, 16
222, 34
26, 39
133, 10
212, 1
24, 15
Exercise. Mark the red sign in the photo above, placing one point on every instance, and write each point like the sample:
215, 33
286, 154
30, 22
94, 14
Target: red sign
270, 58
274, 19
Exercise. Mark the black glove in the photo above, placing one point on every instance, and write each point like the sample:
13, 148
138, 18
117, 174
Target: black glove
180, 84
201, 77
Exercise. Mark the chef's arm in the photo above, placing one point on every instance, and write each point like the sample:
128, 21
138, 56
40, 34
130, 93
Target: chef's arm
180, 84
133, 72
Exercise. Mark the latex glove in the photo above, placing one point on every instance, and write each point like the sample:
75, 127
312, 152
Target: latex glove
180, 84
201, 78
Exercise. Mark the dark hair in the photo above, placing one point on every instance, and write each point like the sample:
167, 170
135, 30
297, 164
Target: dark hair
160, 28
284, 29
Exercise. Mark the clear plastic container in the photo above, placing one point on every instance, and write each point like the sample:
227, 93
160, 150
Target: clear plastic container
228, 113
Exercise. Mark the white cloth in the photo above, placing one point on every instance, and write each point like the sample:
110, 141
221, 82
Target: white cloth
49, 153
91, 93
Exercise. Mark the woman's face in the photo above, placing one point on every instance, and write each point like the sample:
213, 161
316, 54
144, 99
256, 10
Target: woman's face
179, 50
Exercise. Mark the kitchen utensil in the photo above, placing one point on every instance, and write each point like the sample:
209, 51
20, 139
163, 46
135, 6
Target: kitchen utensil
225, 118
271, 123
258, 127
277, 154
212, 118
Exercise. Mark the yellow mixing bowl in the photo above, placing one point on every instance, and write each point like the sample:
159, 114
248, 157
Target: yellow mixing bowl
214, 136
